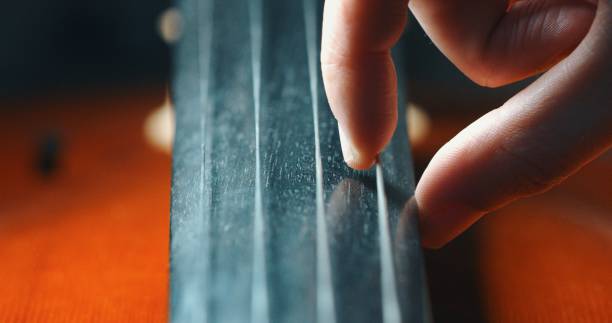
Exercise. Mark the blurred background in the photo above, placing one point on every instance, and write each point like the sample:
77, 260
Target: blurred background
86, 131
67, 44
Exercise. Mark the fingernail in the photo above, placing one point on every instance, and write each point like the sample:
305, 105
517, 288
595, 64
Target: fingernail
351, 155
348, 151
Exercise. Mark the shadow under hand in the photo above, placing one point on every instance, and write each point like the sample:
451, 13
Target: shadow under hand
355, 253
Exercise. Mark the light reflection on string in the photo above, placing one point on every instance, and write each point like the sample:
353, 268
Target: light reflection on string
326, 312
259, 288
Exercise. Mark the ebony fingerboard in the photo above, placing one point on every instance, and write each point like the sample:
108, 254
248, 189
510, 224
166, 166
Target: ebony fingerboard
268, 224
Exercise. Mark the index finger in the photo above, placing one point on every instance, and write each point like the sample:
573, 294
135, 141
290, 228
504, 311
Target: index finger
359, 75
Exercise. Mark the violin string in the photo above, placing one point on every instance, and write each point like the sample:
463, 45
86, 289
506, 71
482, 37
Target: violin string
325, 296
259, 288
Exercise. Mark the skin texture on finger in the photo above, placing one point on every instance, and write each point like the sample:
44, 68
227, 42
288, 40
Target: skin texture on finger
495, 44
491, 43
358, 72
534, 141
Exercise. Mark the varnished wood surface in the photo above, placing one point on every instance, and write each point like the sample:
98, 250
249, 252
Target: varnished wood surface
89, 242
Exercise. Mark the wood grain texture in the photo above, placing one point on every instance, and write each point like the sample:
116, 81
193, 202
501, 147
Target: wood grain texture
549, 258
89, 243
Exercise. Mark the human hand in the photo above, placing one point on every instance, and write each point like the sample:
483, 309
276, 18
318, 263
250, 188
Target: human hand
536, 139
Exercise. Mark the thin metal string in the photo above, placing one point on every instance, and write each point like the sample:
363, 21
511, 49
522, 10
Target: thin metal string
326, 312
259, 290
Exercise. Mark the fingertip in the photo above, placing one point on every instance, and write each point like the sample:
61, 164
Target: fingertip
432, 244
353, 156
359, 75
445, 197
440, 226
360, 164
